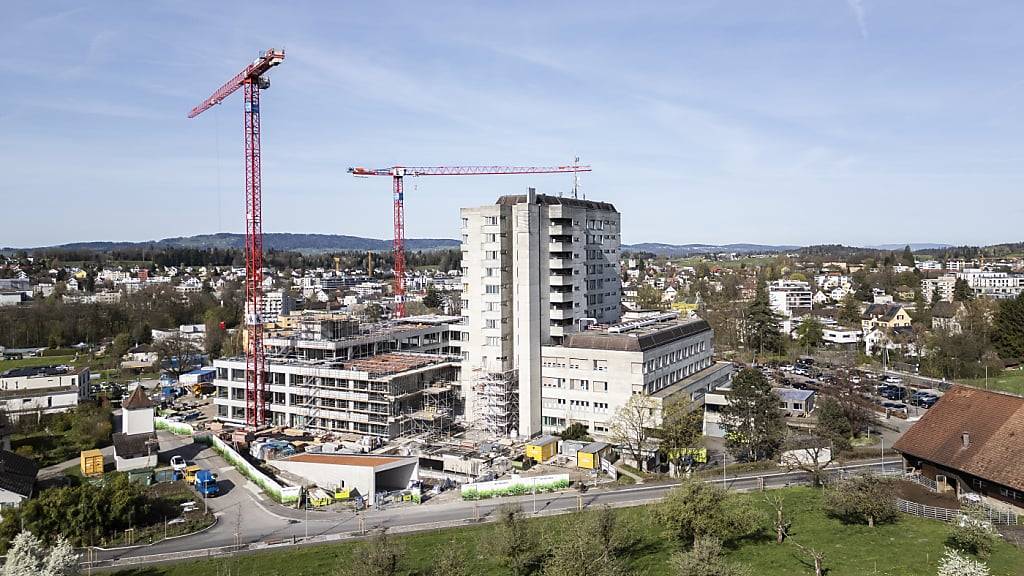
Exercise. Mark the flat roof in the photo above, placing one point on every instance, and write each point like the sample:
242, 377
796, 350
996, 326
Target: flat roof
364, 460
710, 372
637, 336
793, 394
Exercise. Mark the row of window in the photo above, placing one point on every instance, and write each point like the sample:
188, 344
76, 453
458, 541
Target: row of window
574, 363
677, 375
675, 356
557, 424
574, 384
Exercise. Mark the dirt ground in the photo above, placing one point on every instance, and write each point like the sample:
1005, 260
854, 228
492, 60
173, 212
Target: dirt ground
917, 493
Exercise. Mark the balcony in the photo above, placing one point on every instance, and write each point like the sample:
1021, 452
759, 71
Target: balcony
561, 313
561, 279
560, 229
560, 297
561, 246
560, 263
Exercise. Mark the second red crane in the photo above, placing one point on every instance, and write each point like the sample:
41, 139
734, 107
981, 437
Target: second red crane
398, 173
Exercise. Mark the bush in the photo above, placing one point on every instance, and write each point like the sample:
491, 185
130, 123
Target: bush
973, 533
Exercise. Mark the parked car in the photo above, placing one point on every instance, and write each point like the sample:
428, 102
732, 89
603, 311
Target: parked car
895, 407
178, 464
893, 380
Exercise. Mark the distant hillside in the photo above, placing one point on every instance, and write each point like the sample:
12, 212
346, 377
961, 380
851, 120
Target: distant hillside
915, 246
309, 243
693, 249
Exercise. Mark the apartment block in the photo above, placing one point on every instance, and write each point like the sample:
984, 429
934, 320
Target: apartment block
943, 286
32, 392
535, 267
786, 296
999, 285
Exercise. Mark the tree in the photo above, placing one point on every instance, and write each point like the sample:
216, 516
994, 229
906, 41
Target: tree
649, 298
762, 325
962, 291
706, 559
378, 556
754, 428
817, 556
681, 430
579, 552
865, 498
697, 509
1008, 328
811, 455
833, 425
908, 257
955, 564
432, 299
177, 354
631, 427
514, 542
450, 561
849, 311
973, 533
810, 333
576, 431
781, 525
28, 556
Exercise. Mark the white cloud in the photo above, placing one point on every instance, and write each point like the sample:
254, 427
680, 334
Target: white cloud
859, 12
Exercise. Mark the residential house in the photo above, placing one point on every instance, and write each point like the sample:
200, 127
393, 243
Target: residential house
884, 316
948, 316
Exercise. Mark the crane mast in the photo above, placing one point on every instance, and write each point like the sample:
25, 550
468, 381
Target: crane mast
398, 174
252, 81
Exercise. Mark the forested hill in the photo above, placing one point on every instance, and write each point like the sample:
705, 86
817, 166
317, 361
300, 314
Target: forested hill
309, 243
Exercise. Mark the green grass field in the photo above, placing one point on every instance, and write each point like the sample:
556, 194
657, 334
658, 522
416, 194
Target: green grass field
37, 361
1008, 381
910, 547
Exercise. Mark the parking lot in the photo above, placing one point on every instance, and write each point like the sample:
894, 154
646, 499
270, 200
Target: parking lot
890, 394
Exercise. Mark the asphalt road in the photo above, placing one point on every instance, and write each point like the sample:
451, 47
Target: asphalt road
246, 517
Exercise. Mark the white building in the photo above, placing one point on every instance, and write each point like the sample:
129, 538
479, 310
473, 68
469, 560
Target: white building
596, 371
136, 445
785, 296
943, 284
277, 303
1000, 285
841, 335
42, 390
535, 266
366, 474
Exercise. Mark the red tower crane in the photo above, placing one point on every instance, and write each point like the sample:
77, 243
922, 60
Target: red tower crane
251, 79
398, 173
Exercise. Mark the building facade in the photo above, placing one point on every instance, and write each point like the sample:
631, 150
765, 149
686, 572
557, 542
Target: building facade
596, 371
534, 268
33, 392
785, 296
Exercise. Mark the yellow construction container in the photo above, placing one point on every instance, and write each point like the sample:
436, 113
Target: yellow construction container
542, 448
589, 456
91, 462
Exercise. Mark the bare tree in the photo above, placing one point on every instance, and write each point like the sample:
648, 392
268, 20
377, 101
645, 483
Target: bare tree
178, 353
812, 456
818, 556
781, 525
631, 428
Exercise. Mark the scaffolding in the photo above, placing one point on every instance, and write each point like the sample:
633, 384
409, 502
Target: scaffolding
435, 414
496, 401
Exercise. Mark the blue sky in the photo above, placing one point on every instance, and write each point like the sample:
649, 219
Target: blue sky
852, 121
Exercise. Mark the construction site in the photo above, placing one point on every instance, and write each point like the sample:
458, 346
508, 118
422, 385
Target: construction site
461, 394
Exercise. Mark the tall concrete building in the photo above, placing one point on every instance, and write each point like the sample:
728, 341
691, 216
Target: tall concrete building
535, 267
